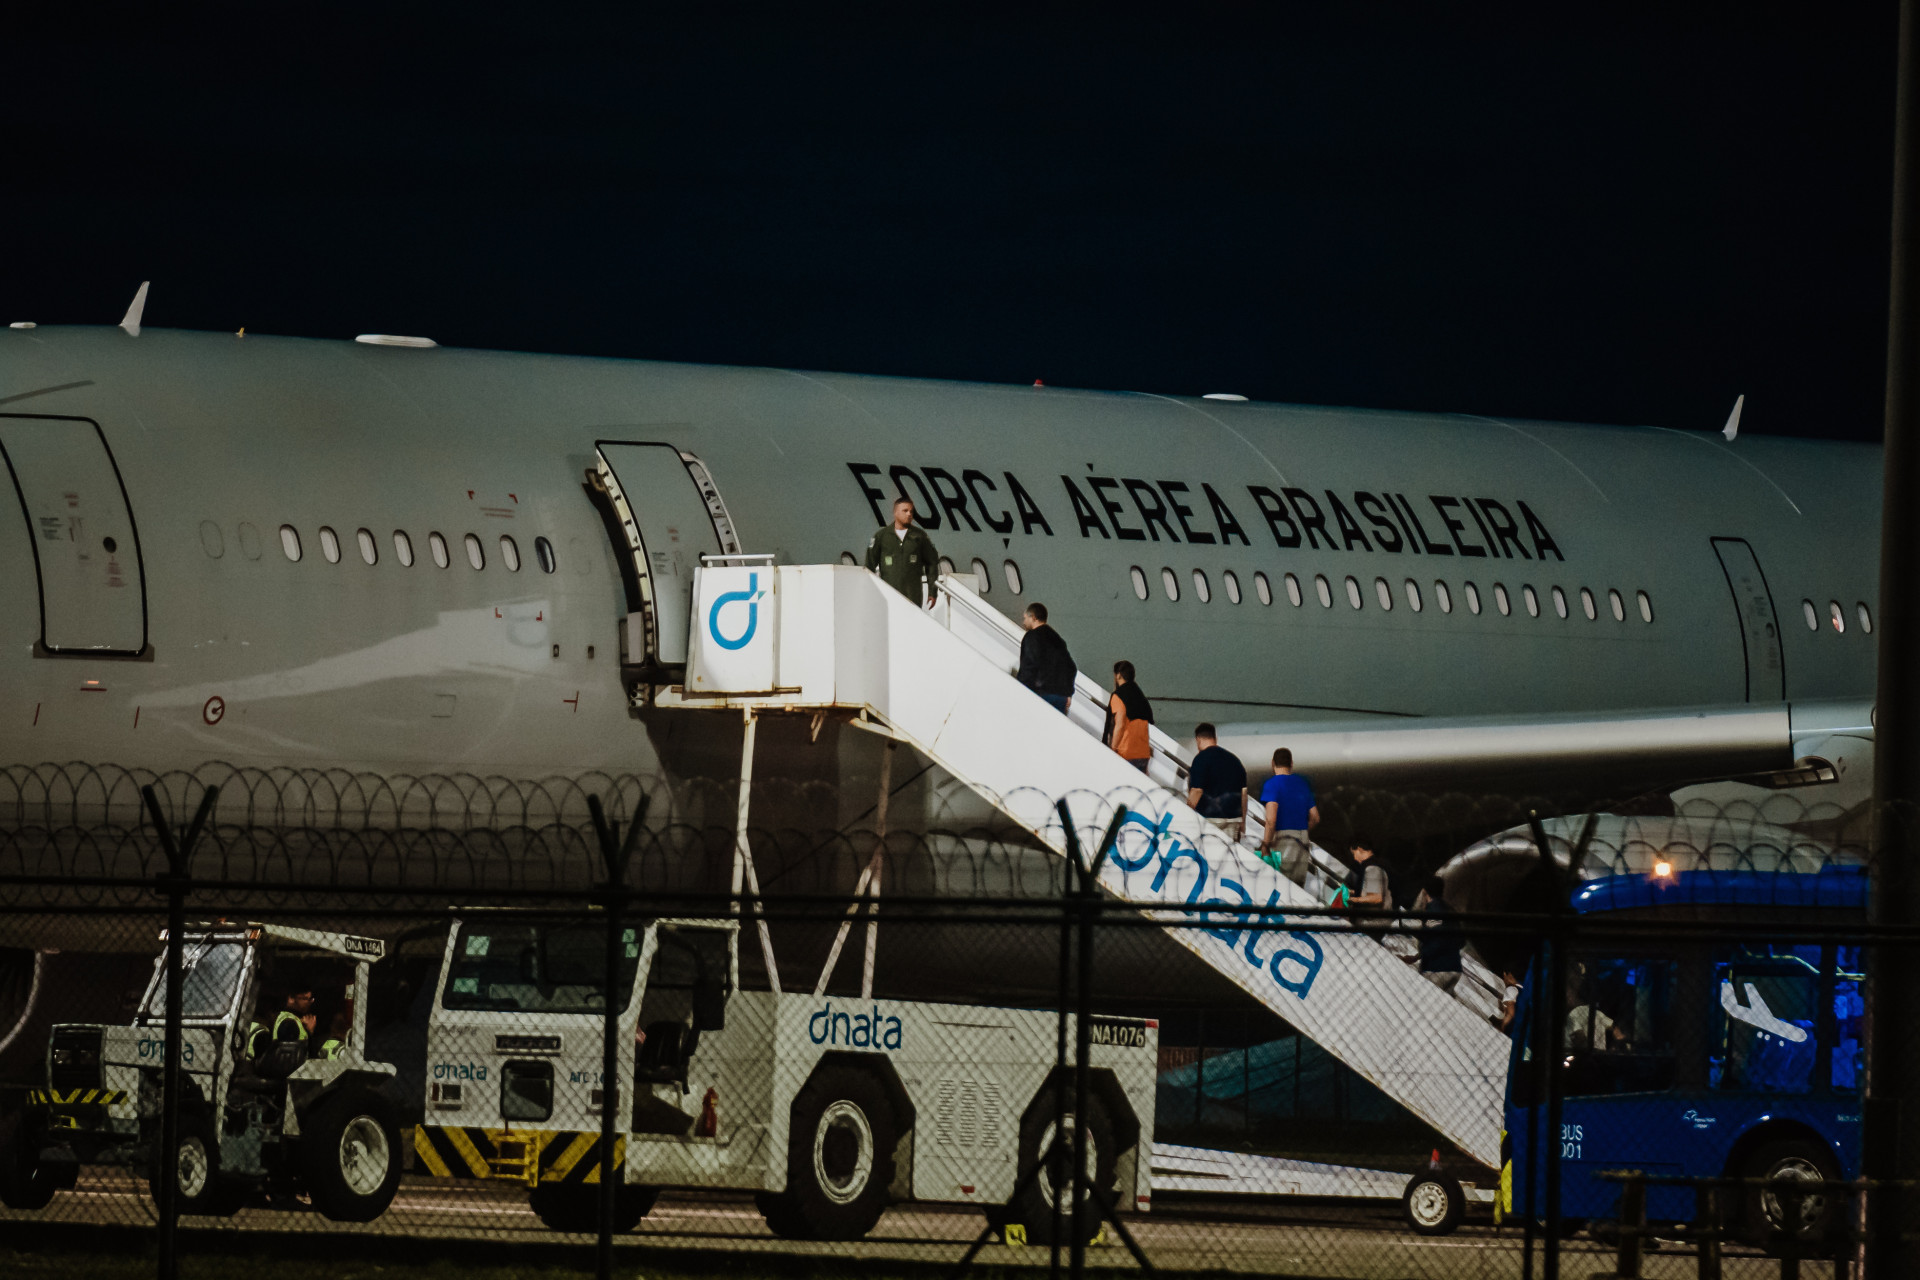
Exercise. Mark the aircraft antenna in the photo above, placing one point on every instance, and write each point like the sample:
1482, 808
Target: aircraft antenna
1732, 428
131, 323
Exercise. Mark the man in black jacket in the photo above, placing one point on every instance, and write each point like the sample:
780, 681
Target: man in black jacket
1045, 665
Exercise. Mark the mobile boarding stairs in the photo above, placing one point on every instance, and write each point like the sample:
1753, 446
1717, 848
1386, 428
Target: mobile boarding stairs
798, 638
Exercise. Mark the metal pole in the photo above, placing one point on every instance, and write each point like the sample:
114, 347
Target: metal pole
615, 855
1888, 1151
173, 883
1051, 1152
879, 863
1553, 1007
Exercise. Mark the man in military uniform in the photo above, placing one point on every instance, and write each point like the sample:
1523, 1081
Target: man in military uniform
903, 555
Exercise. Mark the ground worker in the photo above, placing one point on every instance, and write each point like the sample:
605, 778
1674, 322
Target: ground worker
903, 555
294, 1023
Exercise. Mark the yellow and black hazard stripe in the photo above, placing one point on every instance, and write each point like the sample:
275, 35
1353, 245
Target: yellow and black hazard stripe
76, 1097
532, 1156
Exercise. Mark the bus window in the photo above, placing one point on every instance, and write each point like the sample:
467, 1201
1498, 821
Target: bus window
1764, 1020
1618, 1033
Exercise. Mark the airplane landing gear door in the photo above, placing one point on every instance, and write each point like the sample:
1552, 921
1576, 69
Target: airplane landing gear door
663, 513
1759, 627
86, 552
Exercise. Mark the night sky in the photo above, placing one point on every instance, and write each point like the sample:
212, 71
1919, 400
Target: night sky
1620, 217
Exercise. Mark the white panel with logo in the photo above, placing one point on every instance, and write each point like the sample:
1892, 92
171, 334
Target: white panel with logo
736, 627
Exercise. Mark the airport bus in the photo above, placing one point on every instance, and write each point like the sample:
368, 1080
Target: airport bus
1717, 1052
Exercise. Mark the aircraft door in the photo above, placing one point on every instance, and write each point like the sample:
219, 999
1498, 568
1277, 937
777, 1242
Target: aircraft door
663, 513
1759, 627
86, 552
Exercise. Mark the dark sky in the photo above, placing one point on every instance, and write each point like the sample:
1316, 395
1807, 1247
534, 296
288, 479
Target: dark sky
1620, 217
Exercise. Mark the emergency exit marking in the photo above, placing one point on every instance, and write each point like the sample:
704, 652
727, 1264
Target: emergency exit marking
574, 701
215, 710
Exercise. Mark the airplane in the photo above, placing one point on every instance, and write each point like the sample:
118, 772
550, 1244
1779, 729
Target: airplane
383, 555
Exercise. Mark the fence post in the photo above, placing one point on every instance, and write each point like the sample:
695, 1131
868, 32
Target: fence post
615, 855
1633, 1224
1052, 1154
173, 884
1708, 1234
1791, 1208
1553, 1007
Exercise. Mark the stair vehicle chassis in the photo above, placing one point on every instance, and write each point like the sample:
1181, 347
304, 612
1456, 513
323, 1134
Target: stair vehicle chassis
827, 1108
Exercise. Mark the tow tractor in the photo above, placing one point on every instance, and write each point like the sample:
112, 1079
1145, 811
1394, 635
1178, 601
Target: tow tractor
258, 1114
826, 1108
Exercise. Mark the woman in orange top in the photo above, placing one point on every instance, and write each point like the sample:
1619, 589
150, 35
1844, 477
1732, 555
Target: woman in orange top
1128, 715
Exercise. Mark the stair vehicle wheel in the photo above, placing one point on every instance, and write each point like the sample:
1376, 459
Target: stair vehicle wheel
1033, 1209
25, 1183
840, 1155
575, 1206
350, 1155
1763, 1216
202, 1189
782, 1214
1433, 1204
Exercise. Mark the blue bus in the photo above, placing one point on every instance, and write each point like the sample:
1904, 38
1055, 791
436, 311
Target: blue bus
1716, 1053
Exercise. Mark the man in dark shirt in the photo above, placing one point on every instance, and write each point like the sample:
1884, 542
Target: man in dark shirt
1045, 665
1217, 782
1439, 944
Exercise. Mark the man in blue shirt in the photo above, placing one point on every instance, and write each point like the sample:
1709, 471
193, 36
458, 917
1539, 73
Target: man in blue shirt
1217, 782
1291, 814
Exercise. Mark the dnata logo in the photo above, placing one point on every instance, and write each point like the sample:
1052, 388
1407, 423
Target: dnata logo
751, 598
860, 1030
459, 1071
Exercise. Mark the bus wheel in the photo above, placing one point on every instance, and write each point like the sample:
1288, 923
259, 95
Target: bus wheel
1034, 1209
1433, 1203
1764, 1212
25, 1183
350, 1155
839, 1155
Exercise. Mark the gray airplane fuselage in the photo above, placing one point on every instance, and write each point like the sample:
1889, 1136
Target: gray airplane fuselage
251, 657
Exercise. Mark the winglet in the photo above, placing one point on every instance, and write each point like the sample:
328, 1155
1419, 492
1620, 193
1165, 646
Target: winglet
1732, 428
139, 304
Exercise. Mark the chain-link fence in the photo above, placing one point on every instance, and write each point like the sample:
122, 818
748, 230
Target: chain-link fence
342, 1022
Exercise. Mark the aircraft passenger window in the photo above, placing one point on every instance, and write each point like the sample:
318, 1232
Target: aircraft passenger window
1500, 600
290, 543
1533, 600
1646, 607
1170, 582
1810, 614
1866, 618
1201, 588
1619, 608
1383, 593
210, 540
249, 540
543, 552
403, 548
369, 549
1413, 595
438, 545
1353, 592
510, 553
1012, 571
1264, 589
1293, 590
1443, 596
1560, 602
1587, 606
1473, 599
330, 546
946, 565
1839, 618
983, 581
1325, 592
1139, 582
1233, 589
475, 556
846, 557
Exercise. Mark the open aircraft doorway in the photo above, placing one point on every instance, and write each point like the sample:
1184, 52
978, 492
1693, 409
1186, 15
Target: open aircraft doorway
86, 551
663, 512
